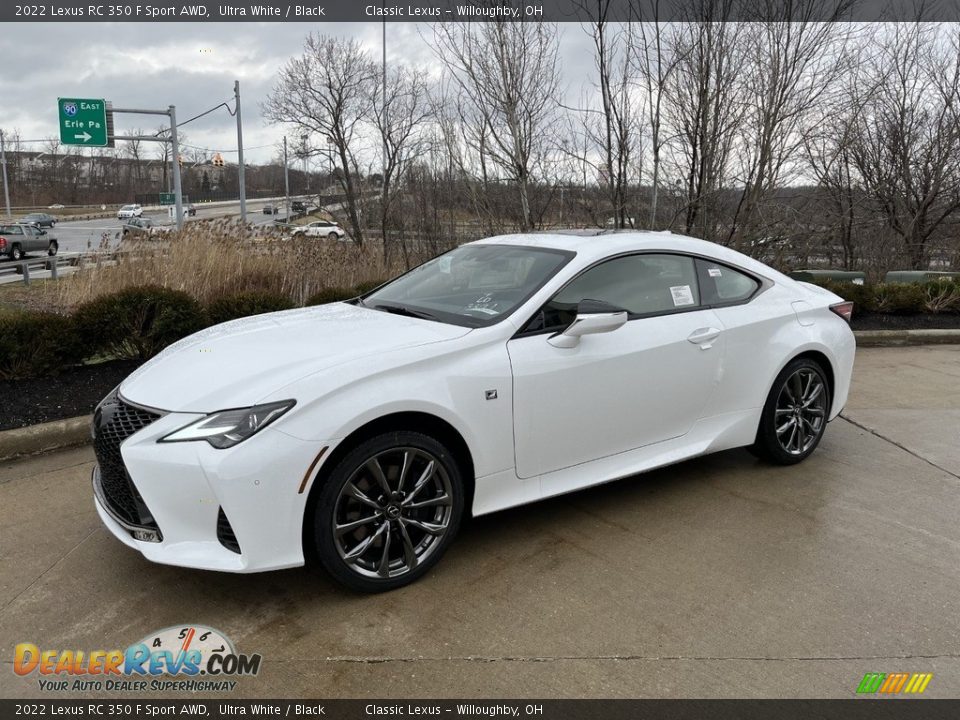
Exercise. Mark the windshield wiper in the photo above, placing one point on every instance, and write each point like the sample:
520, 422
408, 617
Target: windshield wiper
404, 310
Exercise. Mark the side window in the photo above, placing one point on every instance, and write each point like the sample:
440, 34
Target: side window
644, 284
722, 284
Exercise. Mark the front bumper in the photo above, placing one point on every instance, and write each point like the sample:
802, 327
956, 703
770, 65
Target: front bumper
191, 487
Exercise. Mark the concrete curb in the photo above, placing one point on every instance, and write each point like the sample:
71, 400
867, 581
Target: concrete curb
44, 436
894, 338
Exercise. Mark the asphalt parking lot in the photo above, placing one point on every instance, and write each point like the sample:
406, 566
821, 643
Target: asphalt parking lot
718, 577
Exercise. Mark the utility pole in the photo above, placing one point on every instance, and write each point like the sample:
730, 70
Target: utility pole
3, 161
175, 148
386, 122
240, 170
286, 181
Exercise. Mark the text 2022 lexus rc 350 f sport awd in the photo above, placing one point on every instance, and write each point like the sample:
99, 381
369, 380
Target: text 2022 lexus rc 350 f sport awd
358, 434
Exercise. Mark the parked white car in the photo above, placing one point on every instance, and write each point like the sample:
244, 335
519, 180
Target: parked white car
129, 211
502, 372
320, 228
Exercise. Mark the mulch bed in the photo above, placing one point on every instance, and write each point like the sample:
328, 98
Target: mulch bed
73, 392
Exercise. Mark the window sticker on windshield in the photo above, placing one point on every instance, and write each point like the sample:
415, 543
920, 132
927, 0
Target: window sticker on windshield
682, 295
714, 272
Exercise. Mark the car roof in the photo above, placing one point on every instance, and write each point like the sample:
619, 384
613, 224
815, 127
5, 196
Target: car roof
591, 245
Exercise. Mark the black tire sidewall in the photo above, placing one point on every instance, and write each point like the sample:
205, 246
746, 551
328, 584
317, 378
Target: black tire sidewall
320, 517
767, 445
52, 249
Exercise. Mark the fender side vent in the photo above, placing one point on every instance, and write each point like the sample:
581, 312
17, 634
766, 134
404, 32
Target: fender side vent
225, 533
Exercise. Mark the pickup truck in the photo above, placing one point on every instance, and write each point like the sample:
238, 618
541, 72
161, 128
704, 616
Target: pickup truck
16, 240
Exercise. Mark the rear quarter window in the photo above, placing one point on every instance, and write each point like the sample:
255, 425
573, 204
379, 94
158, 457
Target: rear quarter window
721, 284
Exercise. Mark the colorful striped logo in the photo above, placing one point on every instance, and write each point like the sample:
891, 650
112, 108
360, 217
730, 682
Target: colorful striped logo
894, 683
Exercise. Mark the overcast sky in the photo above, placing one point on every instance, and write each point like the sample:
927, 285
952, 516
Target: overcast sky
192, 66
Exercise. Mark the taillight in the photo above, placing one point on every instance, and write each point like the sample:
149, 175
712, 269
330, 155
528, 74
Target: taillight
3, 243
844, 310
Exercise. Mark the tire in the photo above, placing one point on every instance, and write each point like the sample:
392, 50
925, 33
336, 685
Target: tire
16, 254
333, 237
790, 430
52, 248
396, 544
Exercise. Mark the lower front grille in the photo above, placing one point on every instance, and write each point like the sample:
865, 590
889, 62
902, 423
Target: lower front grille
113, 422
225, 533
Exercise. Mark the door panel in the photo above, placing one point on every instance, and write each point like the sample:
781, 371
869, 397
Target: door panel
648, 381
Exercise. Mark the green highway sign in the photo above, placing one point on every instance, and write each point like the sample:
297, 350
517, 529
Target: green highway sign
83, 121
168, 199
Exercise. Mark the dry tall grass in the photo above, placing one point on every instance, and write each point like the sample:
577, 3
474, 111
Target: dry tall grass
211, 259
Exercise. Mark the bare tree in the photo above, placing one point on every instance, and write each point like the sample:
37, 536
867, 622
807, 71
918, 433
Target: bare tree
907, 141
704, 109
325, 91
508, 81
793, 61
614, 130
399, 118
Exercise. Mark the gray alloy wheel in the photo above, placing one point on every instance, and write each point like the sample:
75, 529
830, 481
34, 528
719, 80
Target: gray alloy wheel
795, 414
16, 253
801, 411
388, 511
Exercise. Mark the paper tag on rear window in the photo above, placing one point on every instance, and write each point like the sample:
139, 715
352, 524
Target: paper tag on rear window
682, 295
714, 272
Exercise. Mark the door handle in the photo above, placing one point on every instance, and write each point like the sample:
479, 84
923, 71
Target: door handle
704, 337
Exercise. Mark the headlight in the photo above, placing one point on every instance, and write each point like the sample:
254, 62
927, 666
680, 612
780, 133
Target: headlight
228, 427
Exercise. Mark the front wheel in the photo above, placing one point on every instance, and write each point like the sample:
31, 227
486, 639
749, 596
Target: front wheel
333, 237
52, 248
795, 414
388, 511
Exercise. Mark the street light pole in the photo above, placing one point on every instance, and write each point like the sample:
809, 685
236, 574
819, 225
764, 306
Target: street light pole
3, 161
240, 170
286, 181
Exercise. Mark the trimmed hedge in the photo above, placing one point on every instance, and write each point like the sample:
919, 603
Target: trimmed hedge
934, 296
38, 345
238, 305
137, 323
329, 295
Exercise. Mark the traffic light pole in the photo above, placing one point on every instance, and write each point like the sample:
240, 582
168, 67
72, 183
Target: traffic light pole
170, 112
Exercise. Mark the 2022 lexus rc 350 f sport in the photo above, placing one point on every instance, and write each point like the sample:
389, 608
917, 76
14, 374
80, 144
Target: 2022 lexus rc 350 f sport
502, 372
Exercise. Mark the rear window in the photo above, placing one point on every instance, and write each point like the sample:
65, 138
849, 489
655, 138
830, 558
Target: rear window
722, 284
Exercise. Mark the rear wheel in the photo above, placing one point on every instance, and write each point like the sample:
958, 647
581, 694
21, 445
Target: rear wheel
795, 414
16, 253
388, 511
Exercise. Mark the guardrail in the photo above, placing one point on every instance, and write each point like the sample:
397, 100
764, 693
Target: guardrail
23, 267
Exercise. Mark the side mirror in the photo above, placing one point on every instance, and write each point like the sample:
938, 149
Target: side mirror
593, 317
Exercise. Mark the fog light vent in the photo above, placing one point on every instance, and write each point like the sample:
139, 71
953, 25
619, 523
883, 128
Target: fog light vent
225, 533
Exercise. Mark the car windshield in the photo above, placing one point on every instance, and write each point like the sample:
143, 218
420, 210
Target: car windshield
128, 207
473, 285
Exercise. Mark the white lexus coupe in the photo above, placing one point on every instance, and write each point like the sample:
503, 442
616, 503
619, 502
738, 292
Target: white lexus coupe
358, 434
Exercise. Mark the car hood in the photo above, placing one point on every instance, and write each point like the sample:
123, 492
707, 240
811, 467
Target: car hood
238, 363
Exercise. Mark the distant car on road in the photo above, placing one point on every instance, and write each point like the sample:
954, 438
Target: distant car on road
40, 219
129, 211
189, 210
17, 239
320, 228
56, 206
141, 227
270, 209
298, 206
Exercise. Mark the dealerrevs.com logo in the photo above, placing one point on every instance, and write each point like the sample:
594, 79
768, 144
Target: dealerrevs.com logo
183, 657
894, 683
